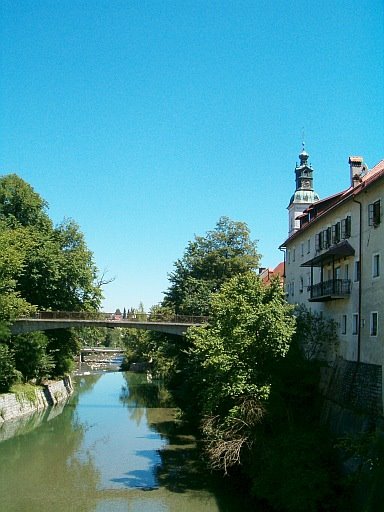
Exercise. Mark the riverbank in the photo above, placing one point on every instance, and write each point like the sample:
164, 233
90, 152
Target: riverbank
14, 406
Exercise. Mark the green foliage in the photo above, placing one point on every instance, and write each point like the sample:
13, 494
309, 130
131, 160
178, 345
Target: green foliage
138, 347
25, 392
231, 363
250, 330
8, 372
20, 204
64, 347
317, 335
13, 246
31, 356
45, 267
59, 271
207, 263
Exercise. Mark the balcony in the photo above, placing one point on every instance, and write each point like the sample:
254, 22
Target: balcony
329, 290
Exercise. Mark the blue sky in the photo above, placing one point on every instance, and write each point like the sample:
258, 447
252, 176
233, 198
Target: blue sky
145, 121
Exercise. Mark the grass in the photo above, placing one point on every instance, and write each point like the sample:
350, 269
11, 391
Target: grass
25, 392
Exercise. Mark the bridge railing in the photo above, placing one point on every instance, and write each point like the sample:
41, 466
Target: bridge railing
130, 317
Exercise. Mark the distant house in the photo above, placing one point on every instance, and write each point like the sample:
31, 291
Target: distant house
267, 273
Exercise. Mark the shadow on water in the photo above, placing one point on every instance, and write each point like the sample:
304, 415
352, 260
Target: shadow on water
179, 466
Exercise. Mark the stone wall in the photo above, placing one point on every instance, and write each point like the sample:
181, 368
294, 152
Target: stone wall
352, 394
52, 393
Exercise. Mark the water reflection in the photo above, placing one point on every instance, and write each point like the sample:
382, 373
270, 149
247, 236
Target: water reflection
39, 472
116, 446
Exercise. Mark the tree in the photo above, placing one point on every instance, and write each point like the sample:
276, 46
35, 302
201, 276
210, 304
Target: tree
207, 263
42, 266
316, 335
8, 372
59, 271
20, 204
14, 243
31, 357
232, 361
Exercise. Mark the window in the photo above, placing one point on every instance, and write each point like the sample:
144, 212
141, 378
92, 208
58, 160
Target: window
302, 249
346, 271
289, 257
374, 323
294, 255
293, 288
346, 227
301, 285
308, 246
374, 214
355, 323
336, 230
326, 238
357, 271
376, 265
344, 324
338, 273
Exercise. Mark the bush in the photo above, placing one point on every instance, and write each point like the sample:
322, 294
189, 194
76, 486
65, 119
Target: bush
8, 372
31, 356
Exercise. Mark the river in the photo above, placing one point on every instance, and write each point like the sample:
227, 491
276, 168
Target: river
116, 446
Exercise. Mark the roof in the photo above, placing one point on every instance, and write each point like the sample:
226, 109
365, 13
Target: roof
340, 250
324, 206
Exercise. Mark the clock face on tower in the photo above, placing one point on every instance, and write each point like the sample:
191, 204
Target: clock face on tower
306, 183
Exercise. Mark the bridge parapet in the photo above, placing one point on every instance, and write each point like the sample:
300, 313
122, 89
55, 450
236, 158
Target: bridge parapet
48, 320
130, 317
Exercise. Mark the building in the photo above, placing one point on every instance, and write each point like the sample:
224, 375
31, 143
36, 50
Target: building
333, 260
266, 274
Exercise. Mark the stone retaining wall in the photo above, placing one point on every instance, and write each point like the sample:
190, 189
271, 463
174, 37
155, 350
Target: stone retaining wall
52, 393
352, 394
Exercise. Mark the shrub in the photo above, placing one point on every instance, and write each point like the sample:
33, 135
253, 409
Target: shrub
8, 372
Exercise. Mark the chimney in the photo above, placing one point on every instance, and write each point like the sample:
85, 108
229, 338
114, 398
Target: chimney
357, 169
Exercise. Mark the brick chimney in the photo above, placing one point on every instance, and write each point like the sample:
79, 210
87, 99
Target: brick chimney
357, 169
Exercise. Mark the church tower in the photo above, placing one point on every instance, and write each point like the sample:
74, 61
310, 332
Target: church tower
304, 194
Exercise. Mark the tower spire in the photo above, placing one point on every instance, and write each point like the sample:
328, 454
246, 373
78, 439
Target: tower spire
304, 194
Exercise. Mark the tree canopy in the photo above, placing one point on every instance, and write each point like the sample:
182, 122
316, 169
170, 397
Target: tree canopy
232, 361
207, 263
44, 267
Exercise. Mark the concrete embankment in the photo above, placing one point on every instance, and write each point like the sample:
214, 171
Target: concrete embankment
13, 406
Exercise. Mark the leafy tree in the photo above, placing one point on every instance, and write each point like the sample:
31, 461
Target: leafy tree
316, 335
59, 271
20, 204
8, 372
207, 263
31, 356
42, 266
13, 246
232, 361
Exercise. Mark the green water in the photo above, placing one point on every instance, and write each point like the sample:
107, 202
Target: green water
116, 446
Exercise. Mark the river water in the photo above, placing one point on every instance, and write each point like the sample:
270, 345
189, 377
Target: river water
116, 446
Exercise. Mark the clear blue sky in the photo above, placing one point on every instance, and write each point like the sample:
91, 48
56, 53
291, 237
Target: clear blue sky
147, 120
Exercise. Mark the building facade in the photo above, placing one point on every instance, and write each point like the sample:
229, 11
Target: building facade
334, 261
